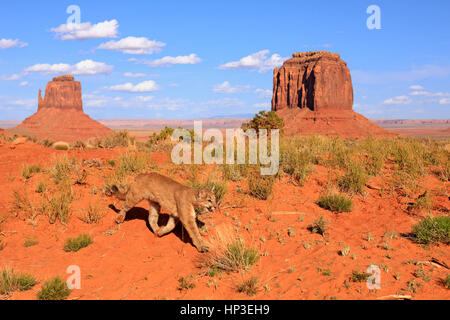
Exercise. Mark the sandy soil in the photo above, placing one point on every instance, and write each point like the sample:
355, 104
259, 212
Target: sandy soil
130, 262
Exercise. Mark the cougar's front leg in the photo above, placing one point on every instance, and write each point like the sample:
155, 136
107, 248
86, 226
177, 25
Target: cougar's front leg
153, 216
186, 213
130, 203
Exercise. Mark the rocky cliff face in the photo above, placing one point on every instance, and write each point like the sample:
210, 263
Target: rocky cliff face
313, 93
317, 80
60, 115
62, 93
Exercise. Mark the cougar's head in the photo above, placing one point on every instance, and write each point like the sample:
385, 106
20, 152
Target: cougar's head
205, 199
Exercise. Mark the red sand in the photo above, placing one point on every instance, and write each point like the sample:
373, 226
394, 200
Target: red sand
132, 263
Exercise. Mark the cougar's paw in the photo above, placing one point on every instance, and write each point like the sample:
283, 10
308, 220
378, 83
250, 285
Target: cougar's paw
120, 219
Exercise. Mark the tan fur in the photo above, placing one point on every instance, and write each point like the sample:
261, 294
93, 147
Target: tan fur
163, 192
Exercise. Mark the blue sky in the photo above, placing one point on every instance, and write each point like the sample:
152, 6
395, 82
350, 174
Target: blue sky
191, 59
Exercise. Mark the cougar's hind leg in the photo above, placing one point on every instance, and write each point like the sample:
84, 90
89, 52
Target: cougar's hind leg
171, 224
153, 216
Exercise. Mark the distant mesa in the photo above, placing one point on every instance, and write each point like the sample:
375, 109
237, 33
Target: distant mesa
313, 92
60, 114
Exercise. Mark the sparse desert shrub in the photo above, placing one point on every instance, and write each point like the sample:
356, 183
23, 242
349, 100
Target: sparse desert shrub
295, 162
162, 136
423, 203
335, 202
235, 172
47, 143
319, 226
10, 282
76, 244
265, 120
433, 230
80, 175
28, 171
57, 205
446, 281
444, 172
61, 168
92, 215
61, 145
355, 179
42, 187
249, 287
79, 145
408, 156
376, 154
340, 154
230, 254
132, 162
30, 241
260, 187
185, 283
22, 204
359, 276
118, 139
54, 289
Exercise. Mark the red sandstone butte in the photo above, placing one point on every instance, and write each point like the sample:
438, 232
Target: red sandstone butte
313, 92
60, 114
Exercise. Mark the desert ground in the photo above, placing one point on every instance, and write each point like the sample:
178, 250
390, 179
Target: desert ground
297, 248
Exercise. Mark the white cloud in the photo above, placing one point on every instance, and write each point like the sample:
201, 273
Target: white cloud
133, 45
9, 43
258, 60
83, 31
420, 93
416, 87
190, 59
415, 74
11, 78
227, 88
24, 84
264, 93
263, 106
86, 67
134, 75
398, 100
146, 86
444, 101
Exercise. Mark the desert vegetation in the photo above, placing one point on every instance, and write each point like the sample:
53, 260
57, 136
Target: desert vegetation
338, 205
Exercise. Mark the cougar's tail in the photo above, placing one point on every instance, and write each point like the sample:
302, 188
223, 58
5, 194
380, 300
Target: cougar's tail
116, 193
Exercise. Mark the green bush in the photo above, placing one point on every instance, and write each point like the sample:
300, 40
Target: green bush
335, 203
54, 289
433, 230
359, 276
75, 244
265, 120
10, 282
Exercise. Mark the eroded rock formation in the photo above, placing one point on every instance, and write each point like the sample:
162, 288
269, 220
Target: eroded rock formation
313, 92
60, 114
62, 93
